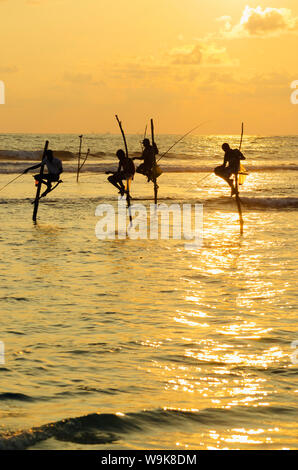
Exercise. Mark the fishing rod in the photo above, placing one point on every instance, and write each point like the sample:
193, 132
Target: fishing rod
205, 177
11, 181
241, 139
145, 133
181, 138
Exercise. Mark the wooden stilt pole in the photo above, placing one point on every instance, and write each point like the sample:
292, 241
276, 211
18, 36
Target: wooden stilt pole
79, 157
154, 164
85, 159
238, 201
127, 181
36, 202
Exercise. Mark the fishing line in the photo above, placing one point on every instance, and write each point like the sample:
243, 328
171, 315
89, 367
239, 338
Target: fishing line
11, 181
181, 138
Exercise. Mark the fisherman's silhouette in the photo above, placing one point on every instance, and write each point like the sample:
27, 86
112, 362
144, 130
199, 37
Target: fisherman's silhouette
125, 171
230, 166
148, 156
54, 167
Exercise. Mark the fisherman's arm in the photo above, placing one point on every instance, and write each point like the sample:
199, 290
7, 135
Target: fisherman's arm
34, 167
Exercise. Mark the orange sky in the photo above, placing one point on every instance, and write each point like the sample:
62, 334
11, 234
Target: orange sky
71, 65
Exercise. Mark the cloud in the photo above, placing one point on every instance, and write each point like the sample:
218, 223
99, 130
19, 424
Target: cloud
226, 20
258, 22
8, 69
186, 55
81, 79
254, 85
203, 53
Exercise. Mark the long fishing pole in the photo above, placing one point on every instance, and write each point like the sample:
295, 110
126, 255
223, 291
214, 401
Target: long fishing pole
3, 187
145, 133
181, 138
205, 177
242, 130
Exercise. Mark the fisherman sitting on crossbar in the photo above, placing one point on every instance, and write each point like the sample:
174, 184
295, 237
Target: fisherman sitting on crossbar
148, 155
125, 171
230, 166
55, 168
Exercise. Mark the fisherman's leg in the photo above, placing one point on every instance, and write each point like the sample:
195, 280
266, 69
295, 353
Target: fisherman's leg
47, 180
122, 188
123, 177
115, 181
225, 174
37, 179
147, 171
48, 190
233, 186
222, 172
140, 169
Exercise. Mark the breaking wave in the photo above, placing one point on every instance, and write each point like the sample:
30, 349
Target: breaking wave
106, 428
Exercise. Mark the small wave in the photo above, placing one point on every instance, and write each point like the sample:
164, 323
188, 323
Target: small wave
16, 164
106, 428
24, 155
15, 396
17, 299
270, 202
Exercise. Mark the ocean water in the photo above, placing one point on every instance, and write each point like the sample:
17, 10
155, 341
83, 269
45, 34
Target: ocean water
144, 344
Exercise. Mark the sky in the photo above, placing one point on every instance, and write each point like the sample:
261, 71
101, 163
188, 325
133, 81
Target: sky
71, 65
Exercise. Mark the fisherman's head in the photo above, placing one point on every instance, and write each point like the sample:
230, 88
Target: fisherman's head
146, 142
50, 155
225, 147
120, 154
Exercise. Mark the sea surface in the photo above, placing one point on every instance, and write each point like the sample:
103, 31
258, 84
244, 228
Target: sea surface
140, 343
